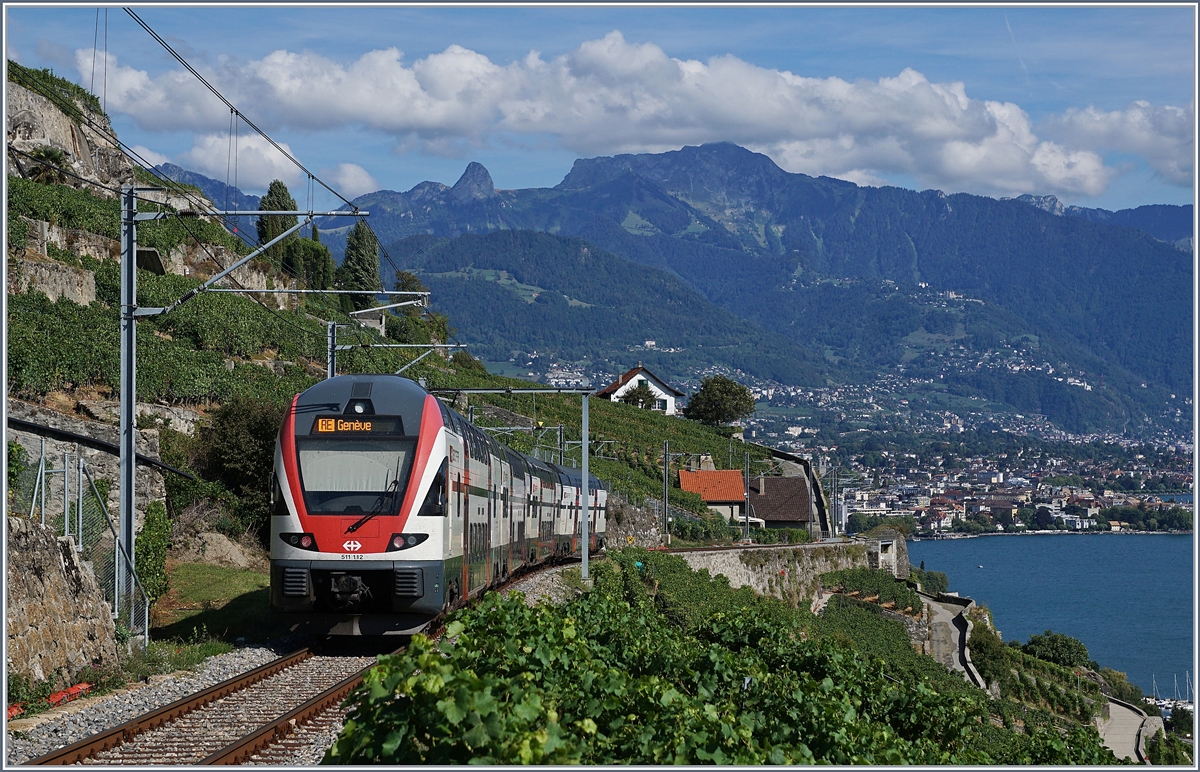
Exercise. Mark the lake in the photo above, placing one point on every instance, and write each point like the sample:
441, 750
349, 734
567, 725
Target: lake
1128, 597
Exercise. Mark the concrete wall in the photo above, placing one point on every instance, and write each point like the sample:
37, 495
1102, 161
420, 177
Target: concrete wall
58, 622
887, 550
789, 573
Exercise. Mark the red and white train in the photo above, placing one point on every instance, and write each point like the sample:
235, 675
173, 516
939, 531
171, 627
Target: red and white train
389, 507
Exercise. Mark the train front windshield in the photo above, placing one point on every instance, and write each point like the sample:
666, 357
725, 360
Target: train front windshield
354, 475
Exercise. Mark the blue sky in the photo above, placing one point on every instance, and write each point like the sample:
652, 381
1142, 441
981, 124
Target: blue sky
1094, 105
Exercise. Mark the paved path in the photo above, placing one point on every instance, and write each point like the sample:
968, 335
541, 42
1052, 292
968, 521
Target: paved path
947, 636
1120, 731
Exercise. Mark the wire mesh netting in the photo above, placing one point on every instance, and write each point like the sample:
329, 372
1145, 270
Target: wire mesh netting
62, 494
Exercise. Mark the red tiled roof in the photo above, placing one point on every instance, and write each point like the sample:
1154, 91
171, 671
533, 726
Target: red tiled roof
714, 486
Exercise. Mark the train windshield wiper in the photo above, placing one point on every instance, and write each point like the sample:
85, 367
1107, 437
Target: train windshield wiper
388, 495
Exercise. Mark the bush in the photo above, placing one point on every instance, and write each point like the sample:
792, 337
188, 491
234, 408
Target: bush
1122, 688
1057, 648
17, 458
150, 551
238, 450
931, 582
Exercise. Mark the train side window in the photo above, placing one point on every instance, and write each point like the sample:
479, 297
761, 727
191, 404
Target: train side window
435, 500
278, 505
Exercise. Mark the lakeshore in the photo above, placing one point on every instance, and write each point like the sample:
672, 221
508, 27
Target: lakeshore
950, 536
1129, 600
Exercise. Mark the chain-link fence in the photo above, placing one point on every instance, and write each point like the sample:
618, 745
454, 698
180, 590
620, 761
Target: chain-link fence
61, 493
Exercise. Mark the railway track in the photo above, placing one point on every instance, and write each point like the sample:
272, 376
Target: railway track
262, 716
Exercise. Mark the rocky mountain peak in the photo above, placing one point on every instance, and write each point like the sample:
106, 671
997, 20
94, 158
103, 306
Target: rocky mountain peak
475, 184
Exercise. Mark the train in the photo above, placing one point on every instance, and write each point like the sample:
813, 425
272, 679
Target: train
389, 508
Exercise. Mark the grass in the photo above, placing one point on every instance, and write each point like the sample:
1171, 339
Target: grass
224, 603
161, 657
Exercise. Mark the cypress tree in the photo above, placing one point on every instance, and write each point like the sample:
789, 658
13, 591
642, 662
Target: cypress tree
360, 269
269, 226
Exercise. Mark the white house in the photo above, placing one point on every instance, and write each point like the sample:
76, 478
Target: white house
664, 394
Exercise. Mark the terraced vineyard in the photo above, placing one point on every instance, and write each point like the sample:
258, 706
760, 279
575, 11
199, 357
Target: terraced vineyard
658, 665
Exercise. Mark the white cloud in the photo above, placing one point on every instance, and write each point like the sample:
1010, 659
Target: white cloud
351, 180
174, 100
258, 163
1162, 135
149, 155
611, 96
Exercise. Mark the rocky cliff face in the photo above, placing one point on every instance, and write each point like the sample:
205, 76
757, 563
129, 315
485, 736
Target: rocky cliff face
58, 621
34, 122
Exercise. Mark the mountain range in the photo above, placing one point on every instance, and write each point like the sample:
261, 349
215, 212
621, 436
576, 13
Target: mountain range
866, 280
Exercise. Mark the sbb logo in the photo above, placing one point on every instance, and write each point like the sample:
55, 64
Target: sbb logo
352, 546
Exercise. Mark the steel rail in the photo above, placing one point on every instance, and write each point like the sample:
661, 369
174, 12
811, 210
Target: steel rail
89, 746
240, 751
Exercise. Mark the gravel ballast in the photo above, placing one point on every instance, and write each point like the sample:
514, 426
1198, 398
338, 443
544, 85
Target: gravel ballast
91, 716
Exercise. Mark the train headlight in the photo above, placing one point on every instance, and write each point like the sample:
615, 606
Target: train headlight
402, 541
304, 541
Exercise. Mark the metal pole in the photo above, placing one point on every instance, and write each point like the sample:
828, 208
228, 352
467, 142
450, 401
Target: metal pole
587, 503
79, 500
331, 350
45, 484
666, 490
128, 430
560, 444
66, 495
746, 512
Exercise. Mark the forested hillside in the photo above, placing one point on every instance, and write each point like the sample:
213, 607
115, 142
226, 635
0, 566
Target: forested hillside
526, 291
1106, 302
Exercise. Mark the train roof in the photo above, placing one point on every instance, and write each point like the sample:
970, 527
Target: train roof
572, 476
378, 395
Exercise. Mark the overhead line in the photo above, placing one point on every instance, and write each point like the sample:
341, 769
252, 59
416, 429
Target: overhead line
233, 107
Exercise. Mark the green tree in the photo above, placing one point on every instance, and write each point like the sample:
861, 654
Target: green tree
316, 235
310, 261
640, 397
407, 281
238, 450
360, 269
1057, 648
720, 400
270, 226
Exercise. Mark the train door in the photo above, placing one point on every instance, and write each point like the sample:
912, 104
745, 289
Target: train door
507, 529
492, 562
462, 517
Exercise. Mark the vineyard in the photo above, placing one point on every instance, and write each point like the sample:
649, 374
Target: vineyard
660, 665
1033, 682
874, 586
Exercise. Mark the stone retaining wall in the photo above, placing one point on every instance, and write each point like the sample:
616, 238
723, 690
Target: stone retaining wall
54, 280
789, 573
630, 526
58, 622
